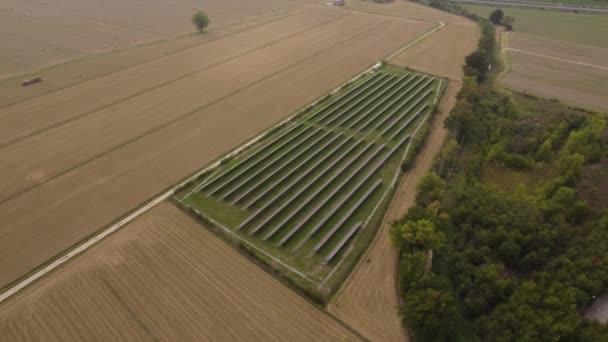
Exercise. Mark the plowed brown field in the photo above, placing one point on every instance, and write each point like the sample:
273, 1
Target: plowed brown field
36, 34
90, 153
164, 278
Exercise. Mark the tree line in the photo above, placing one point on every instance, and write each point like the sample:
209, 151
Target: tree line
484, 263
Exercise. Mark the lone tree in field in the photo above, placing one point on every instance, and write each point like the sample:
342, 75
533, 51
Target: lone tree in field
496, 16
200, 20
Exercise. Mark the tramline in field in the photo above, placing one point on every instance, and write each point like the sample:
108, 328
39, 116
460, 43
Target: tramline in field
305, 193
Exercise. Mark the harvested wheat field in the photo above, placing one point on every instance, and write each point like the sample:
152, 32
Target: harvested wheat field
441, 53
102, 147
94, 66
573, 73
36, 34
166, 278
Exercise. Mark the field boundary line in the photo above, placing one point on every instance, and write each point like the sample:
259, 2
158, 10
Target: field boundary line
186, 115
166, 83
270, 20
439, 26
120, 23
564, 60
28, 280
361, 10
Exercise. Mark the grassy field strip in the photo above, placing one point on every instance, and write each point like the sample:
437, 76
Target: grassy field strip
392, 103
398, 82
440, 25
342, 242
312, 135
407, 123
310, 182
328, 198
207, 184
376, 207
296, 181
382, 102
361, 91
374, 169
392, 124
390, 115
269, 154
332, 212
344, 218
354, 104
289, 163
256, 248
437, 92
343, 97
296, 169
304, 188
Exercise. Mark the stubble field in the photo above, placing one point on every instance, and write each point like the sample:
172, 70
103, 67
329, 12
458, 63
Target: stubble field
103, 147
36, 34
165, 278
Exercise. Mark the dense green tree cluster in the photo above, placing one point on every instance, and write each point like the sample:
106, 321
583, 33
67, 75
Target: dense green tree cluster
481, 263
506, 265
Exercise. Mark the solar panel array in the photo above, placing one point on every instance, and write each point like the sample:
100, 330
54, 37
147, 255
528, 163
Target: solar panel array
304, 188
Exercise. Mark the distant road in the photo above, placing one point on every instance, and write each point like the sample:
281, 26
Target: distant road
538, 5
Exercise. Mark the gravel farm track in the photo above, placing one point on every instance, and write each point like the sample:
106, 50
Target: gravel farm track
123, 135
